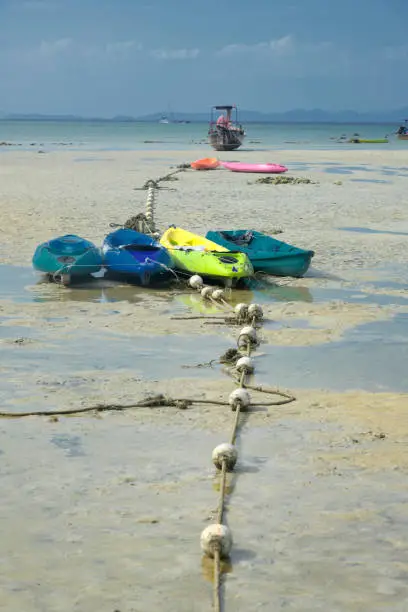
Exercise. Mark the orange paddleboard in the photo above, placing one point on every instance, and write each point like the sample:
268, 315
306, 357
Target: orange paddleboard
207, 163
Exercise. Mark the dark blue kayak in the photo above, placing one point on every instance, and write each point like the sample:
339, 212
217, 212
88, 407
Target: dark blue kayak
67, 258
267, 254
137, 257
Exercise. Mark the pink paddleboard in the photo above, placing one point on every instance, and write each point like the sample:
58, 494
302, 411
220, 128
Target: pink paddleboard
261, 168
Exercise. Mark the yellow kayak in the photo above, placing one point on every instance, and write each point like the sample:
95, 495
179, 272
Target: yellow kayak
369, 140
197, 255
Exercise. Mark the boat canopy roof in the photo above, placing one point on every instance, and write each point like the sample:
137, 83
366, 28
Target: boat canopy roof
226, 107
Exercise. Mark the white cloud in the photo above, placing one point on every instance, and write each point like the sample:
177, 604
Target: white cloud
114, 52
288, 56
123, 49
44, 54
175, 54
50, 49
48, 53
397, 53
278, 47
125, 45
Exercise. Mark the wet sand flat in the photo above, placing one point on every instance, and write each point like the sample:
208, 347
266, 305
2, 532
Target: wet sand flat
116, 506
104, 512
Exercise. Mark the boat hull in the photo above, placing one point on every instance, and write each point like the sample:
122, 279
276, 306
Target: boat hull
266, 254
68, 256
291, 265
402, 136
136, 258
228, 140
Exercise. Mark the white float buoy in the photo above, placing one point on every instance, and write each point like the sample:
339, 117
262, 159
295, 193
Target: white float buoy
245, 364
255, 311
206, 292
239, 396
241, 310
247, 335
196, 282
225, 453
215, 537
217, 294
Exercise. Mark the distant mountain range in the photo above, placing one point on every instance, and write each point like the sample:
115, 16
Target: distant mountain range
246, 116
300, 116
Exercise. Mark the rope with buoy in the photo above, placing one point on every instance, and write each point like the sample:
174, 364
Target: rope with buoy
145, 223
182, 403
150, 203
216, 539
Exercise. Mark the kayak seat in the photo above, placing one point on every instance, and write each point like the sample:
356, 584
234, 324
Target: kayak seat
140, 247
242, 240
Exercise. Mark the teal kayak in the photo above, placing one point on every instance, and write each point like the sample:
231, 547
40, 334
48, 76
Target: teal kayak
266, 254
67, 258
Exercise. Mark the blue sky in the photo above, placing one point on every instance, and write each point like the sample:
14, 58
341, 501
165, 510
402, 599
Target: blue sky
108, 57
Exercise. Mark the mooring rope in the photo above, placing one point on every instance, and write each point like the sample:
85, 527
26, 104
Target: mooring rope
162, 265
182, 403
216, 539
221, 503
217, 580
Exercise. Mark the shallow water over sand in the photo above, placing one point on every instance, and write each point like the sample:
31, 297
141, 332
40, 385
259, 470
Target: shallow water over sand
116, 506
104, 511
31, 347
22, 284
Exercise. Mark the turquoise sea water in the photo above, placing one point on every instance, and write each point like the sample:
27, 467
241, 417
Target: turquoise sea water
105, 136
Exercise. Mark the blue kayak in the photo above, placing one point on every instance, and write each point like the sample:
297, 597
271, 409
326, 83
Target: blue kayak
267, 254
137, 257
67, 258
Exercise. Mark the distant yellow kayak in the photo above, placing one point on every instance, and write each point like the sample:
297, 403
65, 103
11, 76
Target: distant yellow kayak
369, 140
197, 255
